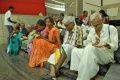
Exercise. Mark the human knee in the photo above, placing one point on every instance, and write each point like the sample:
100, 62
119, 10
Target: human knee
89, 48
73, 52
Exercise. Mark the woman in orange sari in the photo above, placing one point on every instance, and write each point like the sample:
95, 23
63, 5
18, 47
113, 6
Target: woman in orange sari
43, 47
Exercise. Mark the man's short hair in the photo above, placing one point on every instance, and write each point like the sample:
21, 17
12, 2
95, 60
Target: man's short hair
11, 7
62, 14
84, 11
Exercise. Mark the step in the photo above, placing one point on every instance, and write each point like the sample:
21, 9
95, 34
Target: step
22, 64
61, 77
71, 74
113, 73
21, 61
7, 72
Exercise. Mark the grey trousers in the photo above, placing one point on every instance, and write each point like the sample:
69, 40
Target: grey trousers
10, 29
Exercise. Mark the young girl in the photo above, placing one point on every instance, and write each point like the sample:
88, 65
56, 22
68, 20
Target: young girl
15, 42
40, 28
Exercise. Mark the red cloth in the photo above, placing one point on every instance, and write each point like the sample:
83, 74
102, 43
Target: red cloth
81, 17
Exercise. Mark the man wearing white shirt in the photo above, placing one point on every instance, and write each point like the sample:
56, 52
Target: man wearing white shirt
8, 21
102, 41
61, 28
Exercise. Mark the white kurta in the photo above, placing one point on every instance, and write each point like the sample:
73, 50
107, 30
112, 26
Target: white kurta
60, 25
90, 58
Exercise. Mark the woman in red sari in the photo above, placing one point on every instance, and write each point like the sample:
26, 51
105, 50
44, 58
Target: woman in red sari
44, 46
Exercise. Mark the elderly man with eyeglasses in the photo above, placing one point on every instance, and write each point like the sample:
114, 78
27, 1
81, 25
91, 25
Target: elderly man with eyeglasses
102, 41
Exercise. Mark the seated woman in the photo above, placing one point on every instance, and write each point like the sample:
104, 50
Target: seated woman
105, 17
44, 46
15, 42
40, 28
23, 29
27, 40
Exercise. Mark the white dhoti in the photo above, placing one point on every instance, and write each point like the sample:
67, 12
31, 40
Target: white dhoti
67, 49
92, 57
76, 56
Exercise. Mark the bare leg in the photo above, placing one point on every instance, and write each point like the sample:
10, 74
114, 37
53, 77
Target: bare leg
61, 61
52, 71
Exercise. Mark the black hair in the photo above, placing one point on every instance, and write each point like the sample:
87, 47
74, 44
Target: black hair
85, 11
62, 14
70, 14
79, 22
41, 23
11, 7
51, 19
17, 27
60, 18
103, 13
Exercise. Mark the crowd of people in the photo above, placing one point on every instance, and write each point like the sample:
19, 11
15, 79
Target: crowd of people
85, 42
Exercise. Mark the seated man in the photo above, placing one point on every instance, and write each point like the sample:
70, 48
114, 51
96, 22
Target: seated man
23, 29
27, 40
61, 28
102, 41
61, 57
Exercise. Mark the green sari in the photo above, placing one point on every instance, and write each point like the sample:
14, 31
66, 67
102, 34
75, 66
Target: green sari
14, 45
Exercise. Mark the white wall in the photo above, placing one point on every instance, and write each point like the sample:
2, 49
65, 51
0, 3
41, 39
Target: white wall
70, 7
51, 12
94, 2
89, 5
27, 19
108, 2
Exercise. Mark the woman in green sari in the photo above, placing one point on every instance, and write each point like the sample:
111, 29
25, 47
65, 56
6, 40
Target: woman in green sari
15, 42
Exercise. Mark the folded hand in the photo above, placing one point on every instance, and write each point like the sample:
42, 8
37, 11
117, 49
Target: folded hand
101, 44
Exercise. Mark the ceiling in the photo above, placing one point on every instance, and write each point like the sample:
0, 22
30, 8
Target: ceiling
59, 2
56, 4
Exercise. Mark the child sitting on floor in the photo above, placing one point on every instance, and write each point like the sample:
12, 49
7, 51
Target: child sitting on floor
15, 42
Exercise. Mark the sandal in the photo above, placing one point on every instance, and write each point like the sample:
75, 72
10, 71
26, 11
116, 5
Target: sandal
57, 74
48, 77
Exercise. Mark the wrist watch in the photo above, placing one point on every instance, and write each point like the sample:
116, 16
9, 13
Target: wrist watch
107, 44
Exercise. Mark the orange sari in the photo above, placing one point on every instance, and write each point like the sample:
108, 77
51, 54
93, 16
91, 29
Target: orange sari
42, 49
